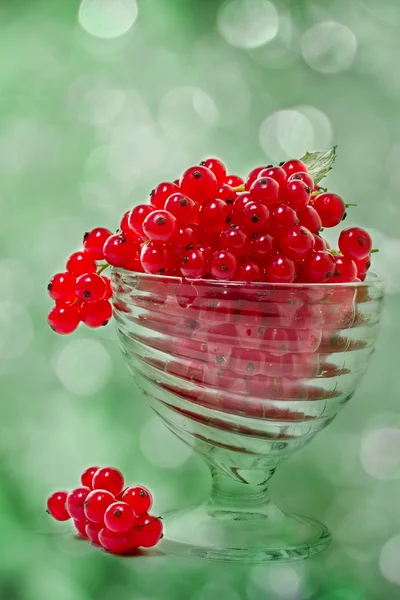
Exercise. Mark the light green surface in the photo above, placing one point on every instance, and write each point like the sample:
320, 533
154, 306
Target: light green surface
88, 126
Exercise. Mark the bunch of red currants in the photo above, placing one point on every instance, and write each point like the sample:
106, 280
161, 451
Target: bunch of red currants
106, 513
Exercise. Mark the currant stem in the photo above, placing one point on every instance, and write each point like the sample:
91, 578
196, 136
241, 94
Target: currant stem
102, 268
374, 250
239, 188
347, 205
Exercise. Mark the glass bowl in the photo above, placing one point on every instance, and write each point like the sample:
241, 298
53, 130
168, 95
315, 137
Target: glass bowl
245, 374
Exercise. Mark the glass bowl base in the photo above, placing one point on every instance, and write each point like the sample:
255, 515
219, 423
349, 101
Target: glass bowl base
260, 536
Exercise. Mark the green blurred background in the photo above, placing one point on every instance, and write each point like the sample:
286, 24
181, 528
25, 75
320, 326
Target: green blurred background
99, 102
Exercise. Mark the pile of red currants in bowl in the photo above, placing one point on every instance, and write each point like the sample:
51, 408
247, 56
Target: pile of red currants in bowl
106, 514
212, 225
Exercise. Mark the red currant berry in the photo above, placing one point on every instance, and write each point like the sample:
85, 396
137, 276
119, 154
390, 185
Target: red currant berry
137, 216
234, 240
108, 478
159, 226
318, 267
90, 287
234, 181
214, 215
226, 193
207, 252
294, 166
108, 292
217, 167
362, 266
276, 173
280, 269
56, 506
255, 218
296, 194
297, 243
186, 237
265, 190
319, 243
80, 263
330, 208
76, 501
309, 218
192, 264
305, 177
250, 271
119, 250
94, 241
96, 314
62, 286
252, 176
282, 217
96, 504
345, 271
161, 193
80, 526
87, 477
119, 517
355, 243
238, 206
139, 498
223, 265
261, 247
199, 183
115, 543
92, 531
124, 224
149, 531
64, 319
181, 207
156, 258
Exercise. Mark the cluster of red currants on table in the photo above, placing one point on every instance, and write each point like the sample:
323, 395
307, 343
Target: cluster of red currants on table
107, 514
212, 225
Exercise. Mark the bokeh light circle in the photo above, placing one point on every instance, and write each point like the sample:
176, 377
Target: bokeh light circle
107, 19
161, 447
329, 47
389, 560
248, 23
16, 330
380, 453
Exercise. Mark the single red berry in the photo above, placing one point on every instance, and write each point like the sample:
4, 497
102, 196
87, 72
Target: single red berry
92, 531
296, 194
294, 166
250, 271
96, 314
159, 226
318, 267
234, 240
87, 477
199, 183
223, 265
56, 506
62, 286
124, 224
149, 531
139, 498
186, 237
120, 251
362, 266
296, 243
156, 258
207, 252
276, 173
282, 217
96, 504
252, 176
345, 270
80, 526
192, 264
117, 543
184, 209
108, 292
161, 193
305, 177
80, 263
64, 319
255, 218
90, 287
94, 241
137, 216
240, 202
330, 208
226, 193
76, 501
261, 247
119, 517
320, 243
214, 215
234, 181
108, 478
309, 218
265, 190
355, 243
280, 269
217, 167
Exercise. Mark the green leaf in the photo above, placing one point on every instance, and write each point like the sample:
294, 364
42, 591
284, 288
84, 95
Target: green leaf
319, 163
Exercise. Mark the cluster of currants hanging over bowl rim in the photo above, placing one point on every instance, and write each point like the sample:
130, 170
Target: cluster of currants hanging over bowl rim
212, 225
